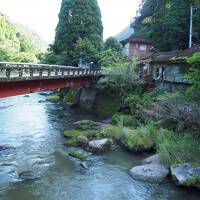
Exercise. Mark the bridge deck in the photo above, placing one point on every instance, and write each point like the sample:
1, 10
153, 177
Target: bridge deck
23, 78
25, 71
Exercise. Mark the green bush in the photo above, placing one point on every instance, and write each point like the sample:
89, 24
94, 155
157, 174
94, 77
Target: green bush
110, 131
137, 140
178, 148
128, 120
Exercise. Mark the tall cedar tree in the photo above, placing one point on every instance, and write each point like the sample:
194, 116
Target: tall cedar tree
166, 23
79, 20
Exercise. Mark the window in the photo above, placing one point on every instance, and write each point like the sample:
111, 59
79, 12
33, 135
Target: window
143, 47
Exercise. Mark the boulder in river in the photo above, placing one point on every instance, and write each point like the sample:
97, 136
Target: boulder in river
153, 173
154, 159
100, 146
186, 175
27, 175
83, 141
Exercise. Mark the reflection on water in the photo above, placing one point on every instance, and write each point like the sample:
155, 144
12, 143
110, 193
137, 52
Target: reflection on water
34, 130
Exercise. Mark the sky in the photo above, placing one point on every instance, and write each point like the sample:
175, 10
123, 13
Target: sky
42, 15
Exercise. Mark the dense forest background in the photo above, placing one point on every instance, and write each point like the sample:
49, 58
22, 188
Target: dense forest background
166, 23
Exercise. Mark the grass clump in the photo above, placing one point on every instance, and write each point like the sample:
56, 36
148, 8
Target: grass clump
53, 98
178, 148
138, 140
72, 143
78, 154
86, 125
110, 131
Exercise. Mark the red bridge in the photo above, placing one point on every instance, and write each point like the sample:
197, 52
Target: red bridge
24, 78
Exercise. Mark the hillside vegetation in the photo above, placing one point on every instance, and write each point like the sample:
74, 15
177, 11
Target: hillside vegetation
18, 43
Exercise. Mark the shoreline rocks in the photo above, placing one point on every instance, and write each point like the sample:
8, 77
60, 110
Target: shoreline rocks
153, 173
100, 146
186, 175
154, 159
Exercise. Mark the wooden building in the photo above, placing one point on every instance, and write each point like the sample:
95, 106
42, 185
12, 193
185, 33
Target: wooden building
137, 47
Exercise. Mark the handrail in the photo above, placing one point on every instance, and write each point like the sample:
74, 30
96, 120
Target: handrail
10, 71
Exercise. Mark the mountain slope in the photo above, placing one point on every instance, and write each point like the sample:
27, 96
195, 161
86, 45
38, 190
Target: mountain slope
17, 43
125, 33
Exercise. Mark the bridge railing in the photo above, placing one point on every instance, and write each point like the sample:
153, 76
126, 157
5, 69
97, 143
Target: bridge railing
10, 71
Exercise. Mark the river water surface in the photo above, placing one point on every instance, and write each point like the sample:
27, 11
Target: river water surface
34, 130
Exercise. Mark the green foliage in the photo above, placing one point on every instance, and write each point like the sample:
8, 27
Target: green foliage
111, 58
139, 140
85, 50
78, 21
113, 44
87, 125
72, 143
166, 23
119, 79
69, 97
110, 131
15, 44
137, 101
78, 154
178, 148
53, 98
74, 134
128, 120
193, 76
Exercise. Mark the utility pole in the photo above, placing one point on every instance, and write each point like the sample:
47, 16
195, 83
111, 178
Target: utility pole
191, 23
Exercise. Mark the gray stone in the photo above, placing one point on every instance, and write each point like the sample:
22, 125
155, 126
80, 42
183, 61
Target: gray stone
84, 165
186, 175
154, 159
99, 146
153, 173
87, 98
83, 141
27, 175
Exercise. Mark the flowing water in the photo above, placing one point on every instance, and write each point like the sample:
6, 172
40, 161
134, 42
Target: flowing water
33, 129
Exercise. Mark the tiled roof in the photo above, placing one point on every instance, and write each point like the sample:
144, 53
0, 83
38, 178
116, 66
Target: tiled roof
136, 40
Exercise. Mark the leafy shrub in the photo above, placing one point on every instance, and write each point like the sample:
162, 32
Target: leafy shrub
137, 140
175, 109
110, 131
128, 120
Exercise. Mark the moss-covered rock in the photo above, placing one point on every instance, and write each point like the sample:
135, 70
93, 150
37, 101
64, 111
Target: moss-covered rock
74, 134
136, 140
186, 175
87, 125
110, 131
78, 154
53, 98
69, 97
72, 143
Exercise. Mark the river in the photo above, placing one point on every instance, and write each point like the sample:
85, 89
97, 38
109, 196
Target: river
34, 130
